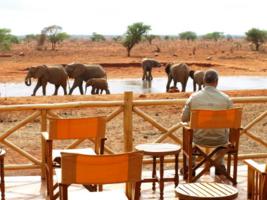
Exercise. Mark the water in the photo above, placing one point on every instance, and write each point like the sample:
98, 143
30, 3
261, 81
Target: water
158, 85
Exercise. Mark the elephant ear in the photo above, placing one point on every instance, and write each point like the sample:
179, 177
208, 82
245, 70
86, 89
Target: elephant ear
78, 71
41, 71
168, 68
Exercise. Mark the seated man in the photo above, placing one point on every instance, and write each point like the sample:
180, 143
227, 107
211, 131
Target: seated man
209, 98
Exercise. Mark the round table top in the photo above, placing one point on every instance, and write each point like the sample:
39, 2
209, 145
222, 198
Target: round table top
195, 191
158, 148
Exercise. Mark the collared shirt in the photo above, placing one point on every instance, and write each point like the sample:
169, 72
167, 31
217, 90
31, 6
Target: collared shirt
212, 99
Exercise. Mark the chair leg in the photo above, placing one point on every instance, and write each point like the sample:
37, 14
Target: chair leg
154, 173
161, 181
63, 191
176, 176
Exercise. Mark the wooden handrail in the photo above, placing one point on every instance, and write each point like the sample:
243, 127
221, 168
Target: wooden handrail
128, 106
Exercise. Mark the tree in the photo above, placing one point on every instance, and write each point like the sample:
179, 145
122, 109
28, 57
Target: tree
257, 37
97, 37
134, 35
150, 38
54, 35
117, 38
214, 36
188, 35
30, 37
6, 39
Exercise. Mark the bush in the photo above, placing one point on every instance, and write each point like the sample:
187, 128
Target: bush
6, 39
213, 36
97, 37
257, 37
188, 35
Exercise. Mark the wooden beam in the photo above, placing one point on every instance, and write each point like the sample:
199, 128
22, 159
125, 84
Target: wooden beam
21, 152
19, 125
114, 113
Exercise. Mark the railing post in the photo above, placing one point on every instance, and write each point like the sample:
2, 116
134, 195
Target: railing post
43, 128
128, 121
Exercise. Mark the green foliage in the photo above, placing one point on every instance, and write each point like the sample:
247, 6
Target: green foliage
117, 38
150, 38
213, 36
188, 35
30, 37
54, 34
168, 37
97, 37
6, 39
256, 36
134, 35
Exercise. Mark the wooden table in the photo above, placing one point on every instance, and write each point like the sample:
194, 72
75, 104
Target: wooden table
206, 191
2, 156
160, 150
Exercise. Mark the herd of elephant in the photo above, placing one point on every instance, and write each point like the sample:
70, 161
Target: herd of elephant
95, 76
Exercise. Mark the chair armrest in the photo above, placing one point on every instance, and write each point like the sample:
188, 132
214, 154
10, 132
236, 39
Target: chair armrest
45, 135
258, 167
185, 125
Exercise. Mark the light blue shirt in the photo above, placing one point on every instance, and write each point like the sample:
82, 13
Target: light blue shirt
211, 99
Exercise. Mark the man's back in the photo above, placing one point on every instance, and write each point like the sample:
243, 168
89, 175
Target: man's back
210, 99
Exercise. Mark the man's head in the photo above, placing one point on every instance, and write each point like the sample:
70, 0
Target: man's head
211, 78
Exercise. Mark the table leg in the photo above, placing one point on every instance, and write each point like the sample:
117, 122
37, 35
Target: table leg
154, 173
2, 178
176, 176
161, 181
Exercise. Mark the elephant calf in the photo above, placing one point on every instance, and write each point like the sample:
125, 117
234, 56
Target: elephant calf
147, 65
198, 78
44, 74
98, 85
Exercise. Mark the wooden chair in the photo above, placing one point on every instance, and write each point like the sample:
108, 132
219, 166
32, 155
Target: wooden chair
101, 169
257, 180
206, 119
92, 128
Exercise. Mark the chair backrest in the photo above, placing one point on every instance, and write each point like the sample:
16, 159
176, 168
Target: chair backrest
77, 128
104, 169
230, 118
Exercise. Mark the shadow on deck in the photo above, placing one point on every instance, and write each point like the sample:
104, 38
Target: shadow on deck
31, 187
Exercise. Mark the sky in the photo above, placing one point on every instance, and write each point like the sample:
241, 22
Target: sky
111, 17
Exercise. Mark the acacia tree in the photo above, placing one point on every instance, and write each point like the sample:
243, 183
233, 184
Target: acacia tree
55, 35
213, 36
97, 37
6, 39
188, 35
134, 35
257, 37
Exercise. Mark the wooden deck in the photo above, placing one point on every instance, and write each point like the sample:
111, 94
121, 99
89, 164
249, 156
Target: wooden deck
32, 188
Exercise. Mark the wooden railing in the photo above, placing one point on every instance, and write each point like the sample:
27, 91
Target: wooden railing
128, 107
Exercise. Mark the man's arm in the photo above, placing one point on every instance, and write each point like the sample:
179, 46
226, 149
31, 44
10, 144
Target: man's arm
185, 117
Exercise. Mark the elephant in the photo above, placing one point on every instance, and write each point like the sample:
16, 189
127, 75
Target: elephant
83, 72
178, 72
44, 74
98, 85
147, 65
198, 78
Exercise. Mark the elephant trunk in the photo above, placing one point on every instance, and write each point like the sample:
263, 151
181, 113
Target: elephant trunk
28, 81
191, 74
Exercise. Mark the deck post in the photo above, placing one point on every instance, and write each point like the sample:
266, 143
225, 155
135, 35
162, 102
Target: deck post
43, 128
128, 121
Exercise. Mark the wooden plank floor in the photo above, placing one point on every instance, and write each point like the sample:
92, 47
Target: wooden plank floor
32, 188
